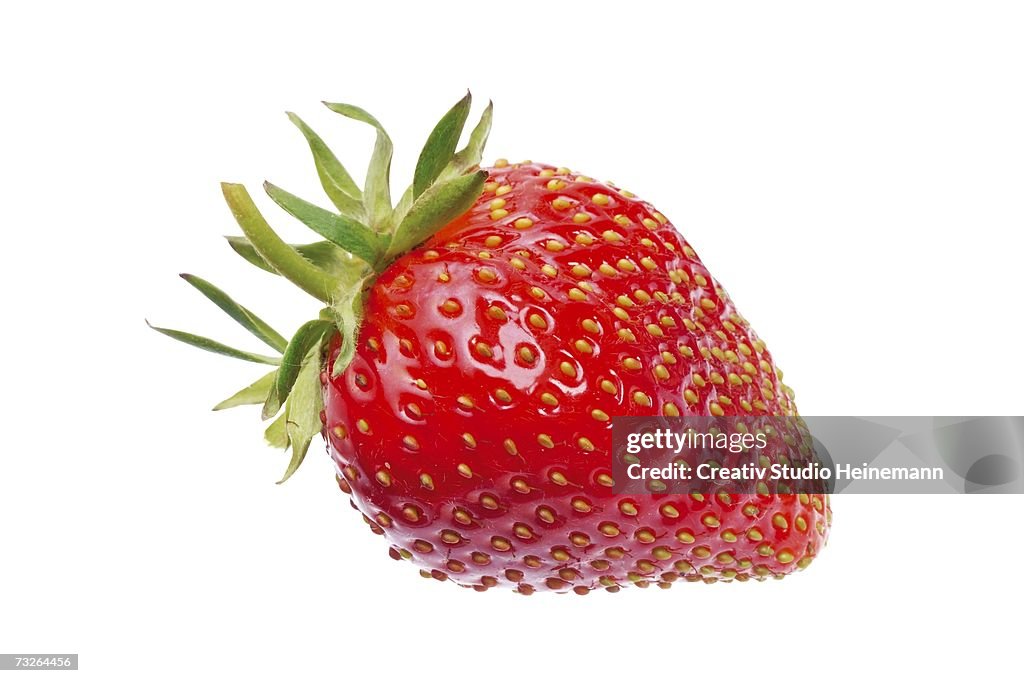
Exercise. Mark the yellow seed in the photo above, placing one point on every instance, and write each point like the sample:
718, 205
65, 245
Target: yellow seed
716, 410
549, 399
561, 204
363, 426
620, 313
510, 447
631, 364
490, 187
464, 401
538, 321
577, 294
585, 443
545, 441
523, 223
554, 245
780, 522
504, 189
503, 396
690, 396
549, 270
497, 204
607, 270
580, 270
487, 275
451, 306
427, 482
568, 369
626, 265
469, 440
464, 470
555, 184
622, 220
501, 163
608, 387
599, 415
585, 239
600, 199
649, 224
661, 372
537, 293
495, 313
498, 214
546, 173
410, 442
784, 556
492, 241
484, 350
611, 236
641, 399
670, 410
384, 478
581, 217
583, 346
590, 326
655, 330
527, 355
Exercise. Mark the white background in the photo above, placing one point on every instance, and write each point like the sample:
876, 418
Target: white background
851, 172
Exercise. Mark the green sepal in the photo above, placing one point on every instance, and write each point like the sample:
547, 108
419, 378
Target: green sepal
377, 193
212, 346
308, 337
240, 314
336, 181
348, 311
440, 146
323, 255
347, 233
277, 433
303, 410
435, 208
469, 156
253, 394
272, 249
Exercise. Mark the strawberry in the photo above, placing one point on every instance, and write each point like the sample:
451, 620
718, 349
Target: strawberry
476, 342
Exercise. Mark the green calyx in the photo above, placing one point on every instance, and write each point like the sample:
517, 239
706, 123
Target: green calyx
363, 234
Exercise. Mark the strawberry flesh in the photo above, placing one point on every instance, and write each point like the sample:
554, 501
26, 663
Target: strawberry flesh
473, 428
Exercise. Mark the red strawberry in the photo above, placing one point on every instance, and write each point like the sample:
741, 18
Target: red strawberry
471, 418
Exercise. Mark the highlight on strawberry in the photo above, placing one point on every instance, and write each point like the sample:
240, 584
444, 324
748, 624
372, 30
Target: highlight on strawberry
474, 340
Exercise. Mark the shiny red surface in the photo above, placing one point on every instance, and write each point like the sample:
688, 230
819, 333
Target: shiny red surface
465, 451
